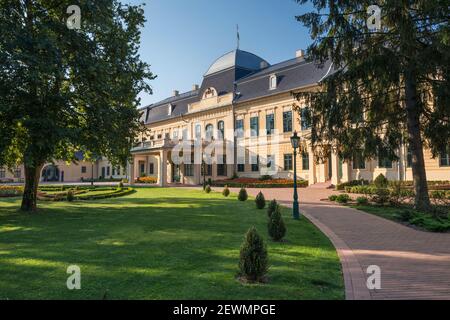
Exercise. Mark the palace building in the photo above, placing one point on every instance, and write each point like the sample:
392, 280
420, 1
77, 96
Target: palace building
243, 97
245, 103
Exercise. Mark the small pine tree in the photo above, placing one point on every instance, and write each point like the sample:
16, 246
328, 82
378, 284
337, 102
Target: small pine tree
120, 185
271, 207
243, 196
381, 181
260, 201
226, 191
208, 189
70, 196
276, 226
253, 261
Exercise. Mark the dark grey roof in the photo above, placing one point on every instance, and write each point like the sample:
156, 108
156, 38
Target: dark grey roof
291, 74
250, 83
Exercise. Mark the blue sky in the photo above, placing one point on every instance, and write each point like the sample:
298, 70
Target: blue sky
182, 38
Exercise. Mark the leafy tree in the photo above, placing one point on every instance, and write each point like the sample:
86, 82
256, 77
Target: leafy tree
65, 90
388, 86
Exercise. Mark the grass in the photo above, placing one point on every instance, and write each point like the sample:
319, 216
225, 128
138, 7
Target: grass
157, 244
408, 216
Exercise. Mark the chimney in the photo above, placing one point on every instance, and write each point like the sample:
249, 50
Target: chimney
176, 93
194, 87
299, 53
263, 65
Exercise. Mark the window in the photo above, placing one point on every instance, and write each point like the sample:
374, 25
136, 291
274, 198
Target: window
444, 159
270, 124
159, 136
142, 169
108, 171
305, 160
305, 121
270, 161
118, 171
208, 169
114, 171
222, 168
2, 173
254, 126
273, 82
151, 168
241, 167
383, 159
287, 121
17, 173
188, 169
288, 161
409, 158
185, 133
240, 128
209, 131
358, 161
198, 132
83, 169
175, 135
255, 163
221, 129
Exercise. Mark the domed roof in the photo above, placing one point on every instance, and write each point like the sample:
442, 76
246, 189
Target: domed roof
237, 58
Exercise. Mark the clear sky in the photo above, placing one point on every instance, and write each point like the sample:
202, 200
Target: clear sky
182, 38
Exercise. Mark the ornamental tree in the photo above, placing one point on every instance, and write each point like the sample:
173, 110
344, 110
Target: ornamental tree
387, 87
64, 90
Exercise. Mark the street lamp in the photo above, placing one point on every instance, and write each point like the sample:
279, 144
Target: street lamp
295, 142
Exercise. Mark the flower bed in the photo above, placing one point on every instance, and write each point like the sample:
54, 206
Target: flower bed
86, 193
146, 180
10, 191
258, 183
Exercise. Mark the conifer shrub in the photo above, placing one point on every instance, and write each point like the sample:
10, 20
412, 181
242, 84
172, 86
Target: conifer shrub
226, 191
208, 189
70, 196
242, 196
362, 201
381, 181
271, 207
120, 185
260, 201
276, 226
253, 258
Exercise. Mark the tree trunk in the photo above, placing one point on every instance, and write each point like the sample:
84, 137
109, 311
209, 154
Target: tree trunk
422, 200
31, 185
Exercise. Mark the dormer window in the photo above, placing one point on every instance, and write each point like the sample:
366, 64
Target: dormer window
273, 82
170, 108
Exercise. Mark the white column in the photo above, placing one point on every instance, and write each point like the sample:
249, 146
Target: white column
131, 170
334, 168
312, 167
162, 174
346, 172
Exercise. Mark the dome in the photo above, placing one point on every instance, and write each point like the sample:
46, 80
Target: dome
237, 58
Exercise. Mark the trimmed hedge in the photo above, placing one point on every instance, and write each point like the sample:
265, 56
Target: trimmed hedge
260, 184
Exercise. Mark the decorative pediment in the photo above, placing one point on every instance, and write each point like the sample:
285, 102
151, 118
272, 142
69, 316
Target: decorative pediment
209, 93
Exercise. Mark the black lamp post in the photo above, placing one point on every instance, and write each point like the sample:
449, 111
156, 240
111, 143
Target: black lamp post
295, 142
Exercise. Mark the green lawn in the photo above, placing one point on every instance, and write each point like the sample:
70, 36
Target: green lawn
157, 244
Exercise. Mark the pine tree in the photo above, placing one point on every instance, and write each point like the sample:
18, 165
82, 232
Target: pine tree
276, 226
253, 262
260, 201
271, 207
242, 196
389, 87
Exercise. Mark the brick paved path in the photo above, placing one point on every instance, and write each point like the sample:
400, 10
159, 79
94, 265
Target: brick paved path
414, 264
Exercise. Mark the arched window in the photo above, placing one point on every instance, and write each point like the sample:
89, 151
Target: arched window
198, 131
221, 129
209, 131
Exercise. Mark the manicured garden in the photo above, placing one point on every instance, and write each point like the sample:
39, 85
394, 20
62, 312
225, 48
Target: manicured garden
394, 200
159, 244
261, 182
